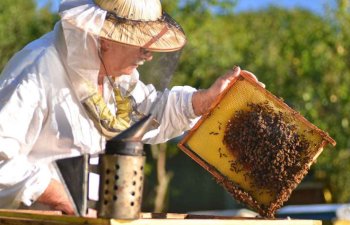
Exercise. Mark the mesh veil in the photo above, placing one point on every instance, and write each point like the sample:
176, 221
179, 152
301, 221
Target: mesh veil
82, 44
83, 24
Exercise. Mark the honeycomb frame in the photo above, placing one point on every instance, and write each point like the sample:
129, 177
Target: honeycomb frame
207, 134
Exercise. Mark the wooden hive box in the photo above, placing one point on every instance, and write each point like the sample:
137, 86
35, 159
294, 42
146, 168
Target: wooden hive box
14, 217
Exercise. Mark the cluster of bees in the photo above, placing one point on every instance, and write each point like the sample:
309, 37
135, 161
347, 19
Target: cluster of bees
266, 143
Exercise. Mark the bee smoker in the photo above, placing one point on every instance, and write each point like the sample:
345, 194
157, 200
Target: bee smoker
121, 172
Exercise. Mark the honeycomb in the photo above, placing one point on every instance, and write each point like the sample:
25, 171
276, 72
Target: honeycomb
205, 144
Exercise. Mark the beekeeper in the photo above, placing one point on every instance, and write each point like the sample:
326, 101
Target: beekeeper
66, 93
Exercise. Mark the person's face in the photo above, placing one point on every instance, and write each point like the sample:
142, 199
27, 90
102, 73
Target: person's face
119, 59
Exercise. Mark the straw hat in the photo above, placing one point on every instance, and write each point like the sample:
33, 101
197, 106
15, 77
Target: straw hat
141, 23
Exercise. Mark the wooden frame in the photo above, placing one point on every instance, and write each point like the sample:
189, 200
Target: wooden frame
237, 192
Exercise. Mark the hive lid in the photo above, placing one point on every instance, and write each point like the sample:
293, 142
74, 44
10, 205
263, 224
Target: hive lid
205, 144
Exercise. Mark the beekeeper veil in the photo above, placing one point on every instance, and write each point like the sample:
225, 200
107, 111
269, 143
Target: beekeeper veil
135, 23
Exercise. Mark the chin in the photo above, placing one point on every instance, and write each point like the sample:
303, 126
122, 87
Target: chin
129, 71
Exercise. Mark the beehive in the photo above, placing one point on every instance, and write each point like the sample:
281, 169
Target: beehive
205, 144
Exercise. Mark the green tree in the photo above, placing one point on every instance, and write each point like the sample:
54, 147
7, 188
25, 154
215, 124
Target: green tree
334, 166
301, 56
20, 23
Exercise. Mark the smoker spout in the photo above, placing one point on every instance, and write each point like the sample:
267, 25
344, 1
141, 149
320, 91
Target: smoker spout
129, 141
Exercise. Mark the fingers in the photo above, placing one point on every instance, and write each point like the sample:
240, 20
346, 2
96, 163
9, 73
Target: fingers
261, 84
231, 74
222, 82
202, 100
251, 75
254, 78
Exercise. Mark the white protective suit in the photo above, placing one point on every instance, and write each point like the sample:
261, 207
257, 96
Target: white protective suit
41, 115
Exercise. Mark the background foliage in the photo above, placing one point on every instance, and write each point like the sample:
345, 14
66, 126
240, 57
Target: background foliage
300, 56
20, 23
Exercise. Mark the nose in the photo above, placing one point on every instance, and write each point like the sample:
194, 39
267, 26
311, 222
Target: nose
146, 55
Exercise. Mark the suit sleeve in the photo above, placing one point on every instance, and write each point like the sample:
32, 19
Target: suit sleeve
178, 115
22, 112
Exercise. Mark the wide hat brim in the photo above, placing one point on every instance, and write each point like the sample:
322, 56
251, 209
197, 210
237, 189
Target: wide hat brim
163, 35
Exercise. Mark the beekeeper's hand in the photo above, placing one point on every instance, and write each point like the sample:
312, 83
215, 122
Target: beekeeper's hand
203, 99
56, 197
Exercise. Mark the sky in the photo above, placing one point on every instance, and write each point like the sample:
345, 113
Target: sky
317, 6
246, 5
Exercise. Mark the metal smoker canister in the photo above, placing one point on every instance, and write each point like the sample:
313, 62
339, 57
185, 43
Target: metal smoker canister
121, 171
121, 185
